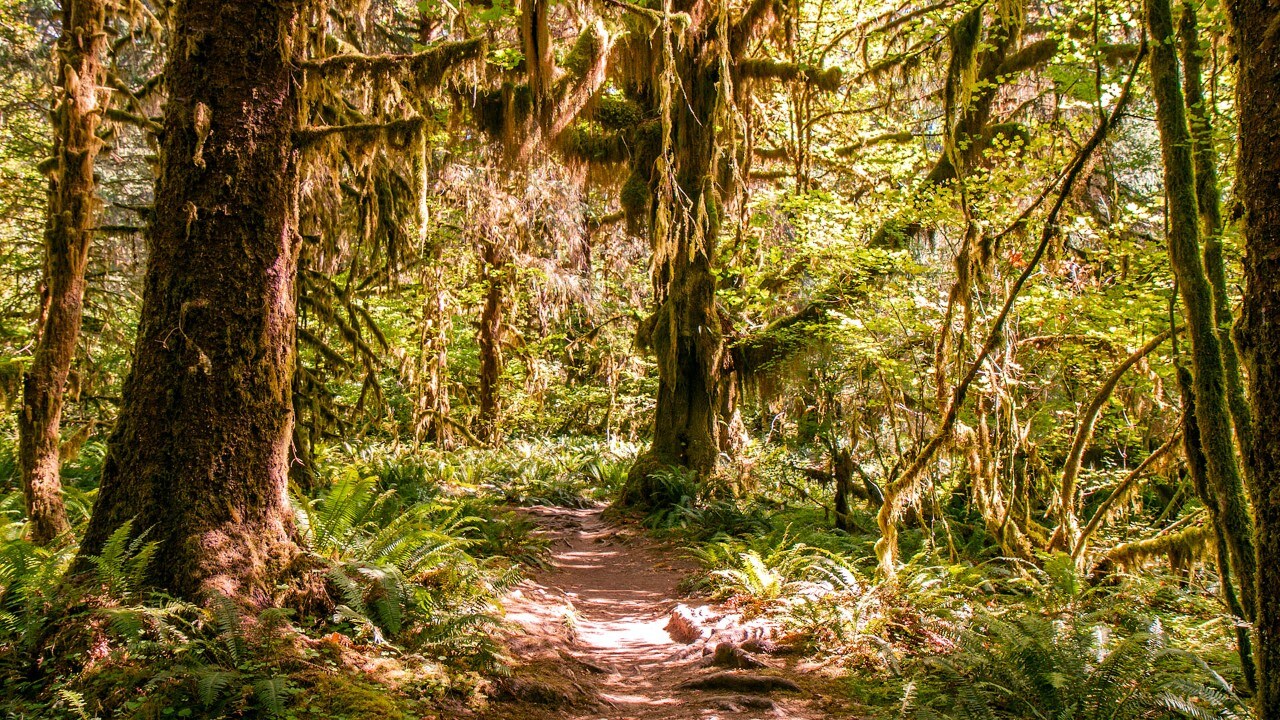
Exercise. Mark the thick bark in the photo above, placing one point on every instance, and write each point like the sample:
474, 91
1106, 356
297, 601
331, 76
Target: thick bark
72, 215
1258, 106
200, 455
1212, 416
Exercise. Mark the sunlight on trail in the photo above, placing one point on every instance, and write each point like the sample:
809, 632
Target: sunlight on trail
604, 606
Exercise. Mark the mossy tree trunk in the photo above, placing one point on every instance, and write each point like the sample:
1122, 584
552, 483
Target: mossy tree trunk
1197, 468
685, 332
1209, 202
1258, 188
495, 264
72, 214
199, 458
1212, 416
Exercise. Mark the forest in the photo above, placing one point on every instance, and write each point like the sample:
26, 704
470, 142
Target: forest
639, 359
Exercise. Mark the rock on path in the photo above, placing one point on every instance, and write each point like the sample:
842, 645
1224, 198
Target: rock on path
589, 638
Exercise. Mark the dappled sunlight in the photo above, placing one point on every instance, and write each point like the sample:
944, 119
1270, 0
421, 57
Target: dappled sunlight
606, 603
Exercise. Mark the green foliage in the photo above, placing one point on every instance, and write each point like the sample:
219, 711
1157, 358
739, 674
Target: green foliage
1031, 666
767, 569
403, 572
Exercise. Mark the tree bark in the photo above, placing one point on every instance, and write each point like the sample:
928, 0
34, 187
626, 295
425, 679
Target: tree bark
494, 263
685, 333
1258, 173
1209, 203
71, 217
1212, 416
199, 458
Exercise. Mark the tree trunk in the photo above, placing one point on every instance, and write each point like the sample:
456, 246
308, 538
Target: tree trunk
1212, 416
1258, 106
71, 218
1197, 468
432, 420
685, 332
200, 456
1209, 200
493, 271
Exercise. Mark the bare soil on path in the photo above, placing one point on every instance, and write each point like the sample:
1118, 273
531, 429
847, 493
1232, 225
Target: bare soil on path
589, 638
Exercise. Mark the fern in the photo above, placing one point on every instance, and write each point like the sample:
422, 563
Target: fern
400, 572
123, 561
1031, 667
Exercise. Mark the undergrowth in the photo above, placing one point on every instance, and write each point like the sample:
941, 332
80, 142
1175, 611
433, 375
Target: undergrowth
415, 548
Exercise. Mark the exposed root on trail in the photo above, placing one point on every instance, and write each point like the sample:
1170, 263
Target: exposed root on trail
605, 635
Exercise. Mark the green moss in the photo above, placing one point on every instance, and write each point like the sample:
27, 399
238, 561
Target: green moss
583, 53
634, 196
595, 147
618, 113
325, 696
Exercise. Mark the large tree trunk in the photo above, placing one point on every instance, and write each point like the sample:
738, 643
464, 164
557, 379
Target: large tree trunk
685, 332
200, 456
1258, 106
72, 214
1212, 416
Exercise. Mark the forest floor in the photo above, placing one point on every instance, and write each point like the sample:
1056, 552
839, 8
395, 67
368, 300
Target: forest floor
605, 633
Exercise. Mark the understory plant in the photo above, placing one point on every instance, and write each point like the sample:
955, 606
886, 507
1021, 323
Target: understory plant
1073, 668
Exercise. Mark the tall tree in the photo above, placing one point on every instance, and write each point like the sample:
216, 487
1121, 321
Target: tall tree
1213, 418
199, 457
1209, 203
685, 173
72, 215
1258, 178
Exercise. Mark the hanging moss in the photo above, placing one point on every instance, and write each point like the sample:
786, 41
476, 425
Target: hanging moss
585, 143
488, 110
634, 197
827, 79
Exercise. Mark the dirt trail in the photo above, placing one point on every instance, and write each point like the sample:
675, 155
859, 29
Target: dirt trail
589, 637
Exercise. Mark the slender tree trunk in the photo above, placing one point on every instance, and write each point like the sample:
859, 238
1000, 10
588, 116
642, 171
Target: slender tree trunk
1197, 468
1066, 536
1258, 187
1209, 200
200, 456
72, 214
493, 270
1212, 415
432, 421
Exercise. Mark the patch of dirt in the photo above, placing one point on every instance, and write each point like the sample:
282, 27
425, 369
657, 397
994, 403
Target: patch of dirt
590, 638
